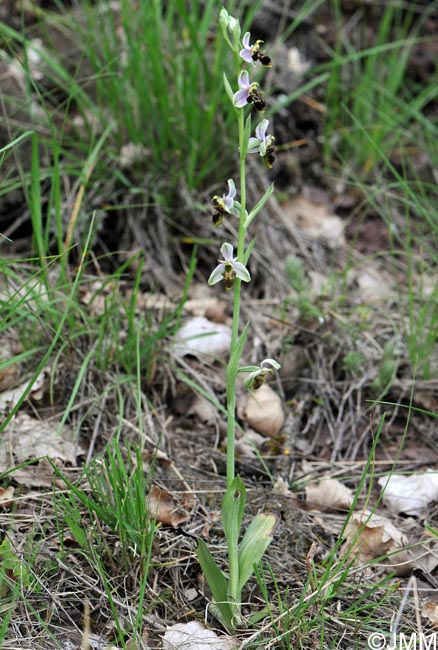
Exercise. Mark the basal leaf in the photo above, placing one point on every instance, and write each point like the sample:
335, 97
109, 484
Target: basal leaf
256, 540
233, 506
217, 582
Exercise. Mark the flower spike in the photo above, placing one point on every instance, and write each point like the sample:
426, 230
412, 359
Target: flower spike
228, 269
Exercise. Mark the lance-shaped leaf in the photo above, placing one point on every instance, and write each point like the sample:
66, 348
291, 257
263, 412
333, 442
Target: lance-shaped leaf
217, 582
248, 251
228, 88
233, 363
259, 205
256, 540
233, 505
246, 136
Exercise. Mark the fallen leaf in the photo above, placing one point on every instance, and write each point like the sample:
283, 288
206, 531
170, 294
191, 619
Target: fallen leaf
328, 493
248, 444
203, 409
430, 611
369, 536
9, 370
372, 287
316, 220
165, 507
424, 554
262, 410
26, 439
410, 494
427, 399
194, 636
9, 398
200, 336
212, 308
6, 496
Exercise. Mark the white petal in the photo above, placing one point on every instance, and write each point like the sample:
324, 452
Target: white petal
240, 99
253, 145
270, 362
227, 252
231, 189
244, 80
261, 129
241, 272
216, 275
246, 39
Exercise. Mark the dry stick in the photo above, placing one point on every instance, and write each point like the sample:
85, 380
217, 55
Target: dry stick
85, 645
150, 620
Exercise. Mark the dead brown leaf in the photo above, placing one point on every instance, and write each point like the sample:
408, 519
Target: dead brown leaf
203, 409
26, 439
202, 303
430, 611
410, 494
9, 398
165, 507
200, 337
316, 220
328, 493
262, 410
194, 636
6, 496
9, 374
369, 536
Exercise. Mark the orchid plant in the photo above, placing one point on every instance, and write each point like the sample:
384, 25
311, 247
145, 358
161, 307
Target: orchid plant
245, 553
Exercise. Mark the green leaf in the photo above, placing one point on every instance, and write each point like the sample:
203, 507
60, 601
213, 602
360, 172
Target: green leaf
259, 205
248, 251
233, 363
217, 582
233, 505
228, 88
246, 135
254, 544
248, 368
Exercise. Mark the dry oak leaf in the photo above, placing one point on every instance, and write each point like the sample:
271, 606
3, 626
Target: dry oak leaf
328, 493
165, 508
9, 370
316, 220
200, 336
262, 410
203, 409
410, 494
9, 398
7, 496
26, 439
430, 611
369, 536
194, 636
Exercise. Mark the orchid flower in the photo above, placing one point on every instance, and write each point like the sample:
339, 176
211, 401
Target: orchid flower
225, 204
228, 269
263, 143
248, 93
246, 53
241, 98
253, 53
257, 377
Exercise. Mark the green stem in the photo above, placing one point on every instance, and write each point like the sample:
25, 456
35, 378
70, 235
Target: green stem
232, 372
233, 556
